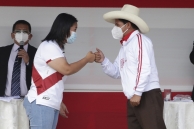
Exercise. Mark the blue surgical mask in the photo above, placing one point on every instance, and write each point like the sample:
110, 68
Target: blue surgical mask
72, 38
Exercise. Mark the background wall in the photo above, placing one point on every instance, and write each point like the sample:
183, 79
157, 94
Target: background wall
94, 100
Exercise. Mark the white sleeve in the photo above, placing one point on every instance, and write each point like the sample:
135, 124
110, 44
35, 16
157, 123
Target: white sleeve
110, 69
51, 51
139, 67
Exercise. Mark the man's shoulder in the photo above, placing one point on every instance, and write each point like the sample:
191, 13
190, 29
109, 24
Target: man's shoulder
6, 47
145, 37
141, 37
32, 47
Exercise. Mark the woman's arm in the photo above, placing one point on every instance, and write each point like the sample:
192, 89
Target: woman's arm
62, 66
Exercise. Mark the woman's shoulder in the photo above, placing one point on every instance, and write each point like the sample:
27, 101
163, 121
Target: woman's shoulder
49, 43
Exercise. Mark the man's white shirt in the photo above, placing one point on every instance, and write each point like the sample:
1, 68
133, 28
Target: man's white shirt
23, 86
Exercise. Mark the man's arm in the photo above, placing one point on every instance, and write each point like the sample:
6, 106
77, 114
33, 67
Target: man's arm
110, 69
31, 53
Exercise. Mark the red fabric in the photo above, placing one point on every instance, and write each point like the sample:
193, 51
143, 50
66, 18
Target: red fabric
44, 84
126, 37
139, 59
98, 110
48, 61
101, 3
94, 111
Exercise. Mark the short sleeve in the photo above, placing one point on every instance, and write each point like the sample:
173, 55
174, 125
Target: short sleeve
51, 51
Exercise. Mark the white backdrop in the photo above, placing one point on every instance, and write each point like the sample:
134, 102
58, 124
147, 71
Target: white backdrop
171, 30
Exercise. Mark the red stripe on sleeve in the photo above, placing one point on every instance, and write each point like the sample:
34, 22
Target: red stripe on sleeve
139, 59
48, 61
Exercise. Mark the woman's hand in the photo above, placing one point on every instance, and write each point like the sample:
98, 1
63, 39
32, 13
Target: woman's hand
63, 110
90, 57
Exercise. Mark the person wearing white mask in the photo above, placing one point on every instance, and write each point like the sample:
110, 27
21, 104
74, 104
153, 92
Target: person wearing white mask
21, 34
44, 99
135, 66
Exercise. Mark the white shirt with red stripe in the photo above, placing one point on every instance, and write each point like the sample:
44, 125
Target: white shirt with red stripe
135, 65
47, 84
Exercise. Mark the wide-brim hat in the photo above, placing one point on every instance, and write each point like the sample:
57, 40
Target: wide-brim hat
130, 13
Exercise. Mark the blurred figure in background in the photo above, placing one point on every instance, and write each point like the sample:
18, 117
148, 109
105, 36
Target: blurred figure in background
192, 61
16, 61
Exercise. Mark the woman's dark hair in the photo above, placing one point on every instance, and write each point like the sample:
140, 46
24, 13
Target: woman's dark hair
132, 24
21, 22
60, 29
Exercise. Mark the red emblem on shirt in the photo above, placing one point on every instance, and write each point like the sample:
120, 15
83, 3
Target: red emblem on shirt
122, 61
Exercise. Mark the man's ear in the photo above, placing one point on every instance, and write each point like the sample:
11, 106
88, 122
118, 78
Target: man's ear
128, 24
12, 35
30, 36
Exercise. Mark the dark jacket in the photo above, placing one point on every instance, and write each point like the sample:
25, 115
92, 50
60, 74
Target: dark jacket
192, 55
192, 61
4, 59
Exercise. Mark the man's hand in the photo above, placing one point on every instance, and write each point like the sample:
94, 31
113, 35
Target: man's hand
135, 100
99, 56
63, 110
24, 55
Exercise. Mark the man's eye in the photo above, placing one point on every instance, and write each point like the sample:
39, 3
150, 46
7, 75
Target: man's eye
17, 31
25, 32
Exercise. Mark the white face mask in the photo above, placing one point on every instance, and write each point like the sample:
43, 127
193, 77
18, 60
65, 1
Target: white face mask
21, 36
117, 32
72, 38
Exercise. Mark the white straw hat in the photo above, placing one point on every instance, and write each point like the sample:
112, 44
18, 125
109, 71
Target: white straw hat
130, 13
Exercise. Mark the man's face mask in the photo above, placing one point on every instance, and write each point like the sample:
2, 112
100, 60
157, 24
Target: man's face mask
72, 38
21, 35
117, 32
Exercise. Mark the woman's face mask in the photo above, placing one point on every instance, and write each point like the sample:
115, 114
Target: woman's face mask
72, 38
21, 36
117, 32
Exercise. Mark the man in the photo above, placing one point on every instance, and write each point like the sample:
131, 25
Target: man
135, 65
21, 34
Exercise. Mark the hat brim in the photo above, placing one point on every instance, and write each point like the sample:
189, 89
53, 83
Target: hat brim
111, 16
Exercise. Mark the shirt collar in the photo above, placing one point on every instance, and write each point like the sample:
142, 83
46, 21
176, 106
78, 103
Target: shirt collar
15, 47
126, 37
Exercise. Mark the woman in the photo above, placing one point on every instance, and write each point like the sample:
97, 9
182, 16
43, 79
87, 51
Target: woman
44, 99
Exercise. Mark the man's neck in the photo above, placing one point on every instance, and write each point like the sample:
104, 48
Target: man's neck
128, 31
19, 44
